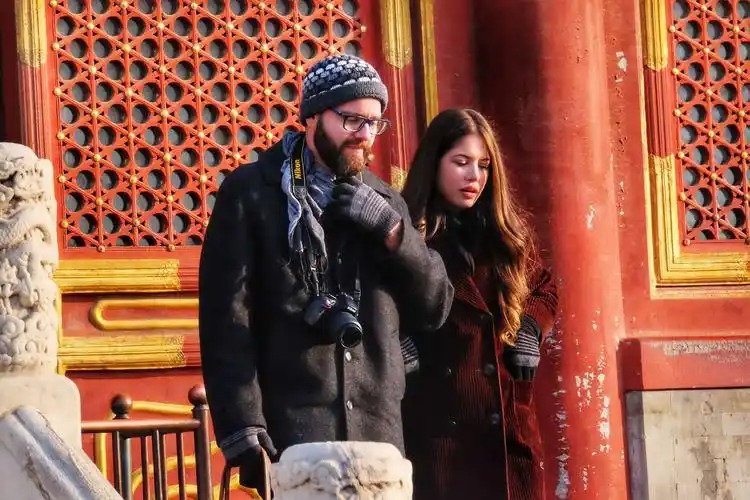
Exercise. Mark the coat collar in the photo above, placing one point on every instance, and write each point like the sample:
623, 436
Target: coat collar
270, 162
466, 289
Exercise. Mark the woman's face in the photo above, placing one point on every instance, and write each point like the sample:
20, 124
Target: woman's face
463, 172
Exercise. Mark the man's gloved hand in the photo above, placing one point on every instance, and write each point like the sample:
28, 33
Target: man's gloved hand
355, 201
251, 461
522, 359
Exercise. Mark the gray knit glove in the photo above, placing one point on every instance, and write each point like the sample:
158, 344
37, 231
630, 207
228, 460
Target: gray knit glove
254, 441
522, 359
355, 201
251, 461
410, 354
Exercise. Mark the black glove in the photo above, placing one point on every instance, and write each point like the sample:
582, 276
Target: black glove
251, 462
522, 359
355, 201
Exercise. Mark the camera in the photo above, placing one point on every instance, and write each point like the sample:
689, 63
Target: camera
336, 318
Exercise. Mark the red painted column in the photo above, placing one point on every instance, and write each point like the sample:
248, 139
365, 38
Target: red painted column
34, 79
9, 105
543, 77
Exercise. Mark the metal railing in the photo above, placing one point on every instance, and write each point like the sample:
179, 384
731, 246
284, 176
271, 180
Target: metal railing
122, 431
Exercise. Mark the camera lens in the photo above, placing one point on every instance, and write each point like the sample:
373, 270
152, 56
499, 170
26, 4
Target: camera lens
351, 335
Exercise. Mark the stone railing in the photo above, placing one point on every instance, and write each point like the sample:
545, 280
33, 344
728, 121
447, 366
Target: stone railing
36, 463
340, 471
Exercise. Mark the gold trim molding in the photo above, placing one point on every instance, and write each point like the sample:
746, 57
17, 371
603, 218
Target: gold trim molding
97, 318
395, 19
122, 352
655, 34
161, 408
31, 32
429, 63
673, 267
398, 177
118, 275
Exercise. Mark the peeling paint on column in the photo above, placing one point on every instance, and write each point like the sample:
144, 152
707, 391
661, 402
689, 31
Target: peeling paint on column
584, 384
563, 480
590, 217
604, 409
553, 345
585, 478
622, 61
590, 391
622, 66
604, 429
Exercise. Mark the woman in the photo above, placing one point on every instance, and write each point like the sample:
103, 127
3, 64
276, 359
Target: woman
469, 419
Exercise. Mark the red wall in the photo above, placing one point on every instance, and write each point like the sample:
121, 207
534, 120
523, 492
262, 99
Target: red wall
454, 47
563, 85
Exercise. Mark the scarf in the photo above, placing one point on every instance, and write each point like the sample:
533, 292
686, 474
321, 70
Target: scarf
306, 212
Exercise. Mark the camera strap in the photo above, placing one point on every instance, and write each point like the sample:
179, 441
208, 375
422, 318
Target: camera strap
316, 276
299, 176
356, 290
312, 265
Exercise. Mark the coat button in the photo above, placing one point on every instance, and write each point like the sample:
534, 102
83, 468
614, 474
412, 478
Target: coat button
495, 419
349, 405
448, 371
452, 424
489, 369
348, 356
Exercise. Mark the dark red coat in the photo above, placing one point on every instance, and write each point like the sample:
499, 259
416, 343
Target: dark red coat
460, 438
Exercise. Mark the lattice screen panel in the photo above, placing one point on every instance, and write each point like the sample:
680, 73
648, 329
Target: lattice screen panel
711, 52
159, 100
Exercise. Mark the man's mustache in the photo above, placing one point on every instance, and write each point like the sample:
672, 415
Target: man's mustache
355, 145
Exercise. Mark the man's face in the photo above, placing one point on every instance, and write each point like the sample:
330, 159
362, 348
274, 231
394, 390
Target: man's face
344, 151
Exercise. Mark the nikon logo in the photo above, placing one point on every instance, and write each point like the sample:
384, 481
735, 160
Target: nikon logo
297, 170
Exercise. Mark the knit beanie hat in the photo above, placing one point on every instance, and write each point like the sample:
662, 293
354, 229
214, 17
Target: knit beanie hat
338, 79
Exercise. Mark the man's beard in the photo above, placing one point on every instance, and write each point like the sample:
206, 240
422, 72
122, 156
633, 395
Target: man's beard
344, 161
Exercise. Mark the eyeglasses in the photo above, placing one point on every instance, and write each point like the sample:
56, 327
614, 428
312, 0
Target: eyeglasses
354, 123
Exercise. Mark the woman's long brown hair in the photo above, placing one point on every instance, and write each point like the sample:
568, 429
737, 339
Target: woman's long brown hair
509, 239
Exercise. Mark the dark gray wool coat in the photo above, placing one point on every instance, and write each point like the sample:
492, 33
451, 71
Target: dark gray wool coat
262, 365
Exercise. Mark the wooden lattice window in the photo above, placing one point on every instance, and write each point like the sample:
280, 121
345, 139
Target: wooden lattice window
697, 99
158, 100
710, 46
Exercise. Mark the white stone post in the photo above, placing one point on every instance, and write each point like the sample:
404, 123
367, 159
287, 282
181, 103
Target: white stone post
29, 320
342, 471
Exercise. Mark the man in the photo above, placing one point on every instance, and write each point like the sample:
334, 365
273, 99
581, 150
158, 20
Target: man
309, 273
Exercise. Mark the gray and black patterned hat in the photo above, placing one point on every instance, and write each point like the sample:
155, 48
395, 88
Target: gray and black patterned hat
338, 79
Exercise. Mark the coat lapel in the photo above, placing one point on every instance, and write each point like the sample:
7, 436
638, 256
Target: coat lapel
377, 184
467, 291
270, 162
465, 288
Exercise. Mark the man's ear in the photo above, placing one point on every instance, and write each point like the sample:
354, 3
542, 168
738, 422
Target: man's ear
311, 121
